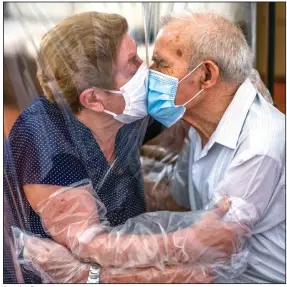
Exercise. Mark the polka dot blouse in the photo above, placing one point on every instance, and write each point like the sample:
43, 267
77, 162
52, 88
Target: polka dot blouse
49, 146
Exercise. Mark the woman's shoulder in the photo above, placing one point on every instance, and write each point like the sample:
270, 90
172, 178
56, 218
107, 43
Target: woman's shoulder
40, 147
40, 110
40, 119
40, 130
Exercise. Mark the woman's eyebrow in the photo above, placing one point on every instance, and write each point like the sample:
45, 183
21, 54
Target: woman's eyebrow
131, 55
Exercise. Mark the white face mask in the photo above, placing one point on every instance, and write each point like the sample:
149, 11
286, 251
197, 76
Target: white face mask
135, 95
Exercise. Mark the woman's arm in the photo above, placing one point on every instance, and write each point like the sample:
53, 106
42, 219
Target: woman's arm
71, 217
56, 264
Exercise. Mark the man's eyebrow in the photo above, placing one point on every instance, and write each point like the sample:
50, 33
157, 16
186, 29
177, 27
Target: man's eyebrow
158, 59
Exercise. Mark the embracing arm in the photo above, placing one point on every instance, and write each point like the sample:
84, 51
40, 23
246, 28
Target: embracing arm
72, 219
55, 264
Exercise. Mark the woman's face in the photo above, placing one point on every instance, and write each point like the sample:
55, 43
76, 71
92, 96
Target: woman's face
127, 62
126, 66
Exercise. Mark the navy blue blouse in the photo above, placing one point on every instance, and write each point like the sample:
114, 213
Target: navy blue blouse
49, 146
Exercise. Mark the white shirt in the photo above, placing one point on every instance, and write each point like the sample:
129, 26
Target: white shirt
245, 160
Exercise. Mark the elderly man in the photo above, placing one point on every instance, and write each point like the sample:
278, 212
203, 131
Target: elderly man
237, 139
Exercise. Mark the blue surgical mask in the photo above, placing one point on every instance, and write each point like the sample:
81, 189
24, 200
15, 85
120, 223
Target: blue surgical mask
161, 96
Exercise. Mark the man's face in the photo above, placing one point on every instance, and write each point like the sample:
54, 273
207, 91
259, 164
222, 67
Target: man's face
170, 57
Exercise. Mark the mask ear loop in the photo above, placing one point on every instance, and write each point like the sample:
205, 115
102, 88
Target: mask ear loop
110, 113
106, 111
190, 72
186, 77
193, 97
113, 92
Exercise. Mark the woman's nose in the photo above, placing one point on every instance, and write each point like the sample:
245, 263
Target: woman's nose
140, 60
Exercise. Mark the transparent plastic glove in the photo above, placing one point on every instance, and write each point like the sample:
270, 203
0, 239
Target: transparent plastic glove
49, 260
55, 264
170, 274
213, 241
75, 217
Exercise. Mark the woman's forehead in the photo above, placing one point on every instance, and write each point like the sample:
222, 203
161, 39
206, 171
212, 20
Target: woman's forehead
127, 46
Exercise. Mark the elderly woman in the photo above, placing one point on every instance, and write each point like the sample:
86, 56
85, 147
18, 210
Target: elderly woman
89, 126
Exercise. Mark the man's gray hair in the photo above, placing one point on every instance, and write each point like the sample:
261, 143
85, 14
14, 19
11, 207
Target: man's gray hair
210, 36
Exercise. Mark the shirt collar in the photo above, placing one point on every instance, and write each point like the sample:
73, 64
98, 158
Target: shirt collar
230, 126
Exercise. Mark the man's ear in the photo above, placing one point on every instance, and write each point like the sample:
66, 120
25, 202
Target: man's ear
210, 76
90, 100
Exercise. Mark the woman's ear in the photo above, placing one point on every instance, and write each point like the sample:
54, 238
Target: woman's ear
210, 76
90, 100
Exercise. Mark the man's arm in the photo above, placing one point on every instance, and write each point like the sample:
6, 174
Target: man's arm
250, 183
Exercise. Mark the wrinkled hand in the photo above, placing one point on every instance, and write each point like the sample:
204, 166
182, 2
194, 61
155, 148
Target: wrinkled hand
219, 239
54, 262
211, 239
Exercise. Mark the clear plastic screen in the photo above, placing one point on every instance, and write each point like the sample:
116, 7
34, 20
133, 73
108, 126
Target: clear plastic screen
80, 207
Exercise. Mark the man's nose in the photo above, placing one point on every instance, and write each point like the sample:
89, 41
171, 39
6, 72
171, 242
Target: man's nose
153, 67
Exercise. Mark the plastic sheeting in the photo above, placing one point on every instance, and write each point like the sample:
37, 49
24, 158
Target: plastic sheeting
76, 218
162, 246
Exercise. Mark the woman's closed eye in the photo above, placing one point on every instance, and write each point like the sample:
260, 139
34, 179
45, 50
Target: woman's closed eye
133, 64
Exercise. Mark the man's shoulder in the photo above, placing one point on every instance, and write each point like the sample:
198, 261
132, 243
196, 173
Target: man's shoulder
264, 130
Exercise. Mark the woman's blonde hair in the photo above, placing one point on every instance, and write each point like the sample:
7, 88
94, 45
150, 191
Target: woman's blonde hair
79, 53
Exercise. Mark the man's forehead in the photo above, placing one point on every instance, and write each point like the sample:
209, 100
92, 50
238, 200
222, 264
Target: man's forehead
169, 40
169, 34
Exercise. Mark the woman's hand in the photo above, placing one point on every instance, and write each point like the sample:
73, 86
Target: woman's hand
57, 265
209, 240
54, 262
